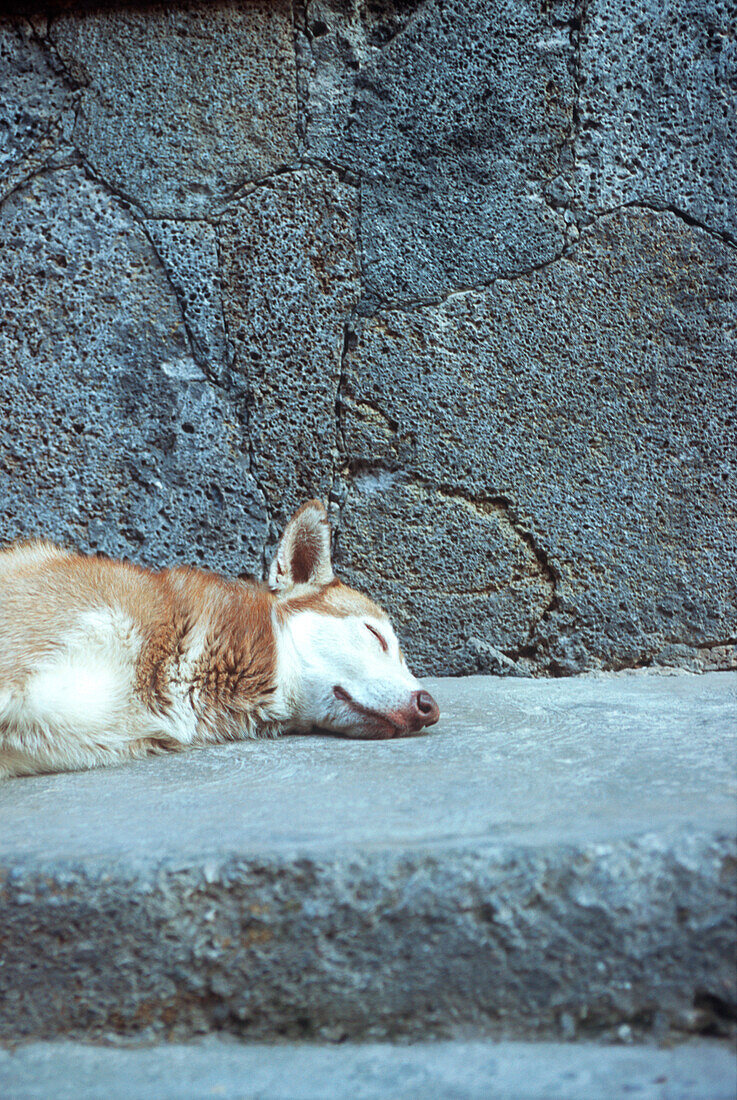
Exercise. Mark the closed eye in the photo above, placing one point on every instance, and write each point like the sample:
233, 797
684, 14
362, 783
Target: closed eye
382, 639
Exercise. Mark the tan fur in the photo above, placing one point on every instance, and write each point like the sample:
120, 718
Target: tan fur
237, 668
335, 599
195, 636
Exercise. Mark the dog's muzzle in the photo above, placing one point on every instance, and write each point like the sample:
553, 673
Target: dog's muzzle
420, 711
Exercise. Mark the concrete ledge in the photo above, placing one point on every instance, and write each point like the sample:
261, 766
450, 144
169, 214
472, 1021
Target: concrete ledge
374, 1071
557, 860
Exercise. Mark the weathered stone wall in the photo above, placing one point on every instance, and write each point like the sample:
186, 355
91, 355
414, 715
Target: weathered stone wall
465, 268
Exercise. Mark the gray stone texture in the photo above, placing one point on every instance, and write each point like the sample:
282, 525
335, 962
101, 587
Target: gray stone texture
114, 439
189, 252
549, 465
555, 860
36, 103
183, 102
447, 566
291, 280
455, 116
255, 251
657, 111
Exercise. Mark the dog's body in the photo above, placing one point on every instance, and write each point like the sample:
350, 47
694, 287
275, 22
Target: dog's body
101, 661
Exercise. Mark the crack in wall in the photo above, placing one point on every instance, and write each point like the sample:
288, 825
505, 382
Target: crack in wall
131, 206
339, 489
72, 160
247, 187
301, 28
379, 306
40, 27
302, 162
562, 202
569, 250
300, 20
241, 401
584, 215
194, 344
56, 142
669, 208
372, 302
508, 511
243, 398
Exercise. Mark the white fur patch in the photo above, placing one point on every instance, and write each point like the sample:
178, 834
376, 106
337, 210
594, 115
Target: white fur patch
319, 652
76, 707
88, 695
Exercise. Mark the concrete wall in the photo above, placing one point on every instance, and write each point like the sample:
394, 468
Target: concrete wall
465, 268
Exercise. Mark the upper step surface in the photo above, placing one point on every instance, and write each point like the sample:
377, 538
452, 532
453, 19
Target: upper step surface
512, 761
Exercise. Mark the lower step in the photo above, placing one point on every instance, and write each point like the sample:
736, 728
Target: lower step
425, 1071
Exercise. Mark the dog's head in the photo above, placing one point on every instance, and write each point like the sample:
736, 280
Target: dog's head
339, 657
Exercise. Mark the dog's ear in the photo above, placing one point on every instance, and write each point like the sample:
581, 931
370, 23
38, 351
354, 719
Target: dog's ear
303, 556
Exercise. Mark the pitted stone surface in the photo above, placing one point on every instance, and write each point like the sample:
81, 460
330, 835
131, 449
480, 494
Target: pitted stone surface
556, 859
117, 440
536, 475
455, 116
290, 273
591, 406
189, 252
448, 567
658, 107
182, 102
35, 103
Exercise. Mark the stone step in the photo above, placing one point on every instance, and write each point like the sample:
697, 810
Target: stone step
458, 1070
555, 860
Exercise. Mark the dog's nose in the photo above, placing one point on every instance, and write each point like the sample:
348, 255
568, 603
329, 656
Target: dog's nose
426, 708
